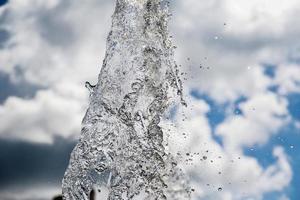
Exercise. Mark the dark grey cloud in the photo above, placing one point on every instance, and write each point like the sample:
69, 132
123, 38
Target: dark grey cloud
4, 36
27, 163
20, 89
3, 2
54, 28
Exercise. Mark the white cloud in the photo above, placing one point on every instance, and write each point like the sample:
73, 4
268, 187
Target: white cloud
257, 15
239, 176
54, 40
255, 32
55, 112
56, 45
288, 78
263, 115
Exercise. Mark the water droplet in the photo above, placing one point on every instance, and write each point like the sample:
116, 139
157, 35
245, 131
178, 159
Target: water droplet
89, 86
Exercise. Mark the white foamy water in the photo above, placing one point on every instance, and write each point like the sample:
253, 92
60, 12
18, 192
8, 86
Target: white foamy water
121, 150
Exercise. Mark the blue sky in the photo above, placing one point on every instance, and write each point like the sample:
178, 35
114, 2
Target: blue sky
244, 100
287, 136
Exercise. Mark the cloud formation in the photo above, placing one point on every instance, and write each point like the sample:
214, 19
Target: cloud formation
55, 46
241, 36
223, 172
54, 40
51, 113
253, 126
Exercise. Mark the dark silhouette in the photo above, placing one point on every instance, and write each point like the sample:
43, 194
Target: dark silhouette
92, 196
58, 198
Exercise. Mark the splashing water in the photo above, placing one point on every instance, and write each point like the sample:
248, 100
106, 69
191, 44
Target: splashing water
122, 145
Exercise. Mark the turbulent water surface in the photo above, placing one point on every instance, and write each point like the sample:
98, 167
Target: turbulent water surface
121, 148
